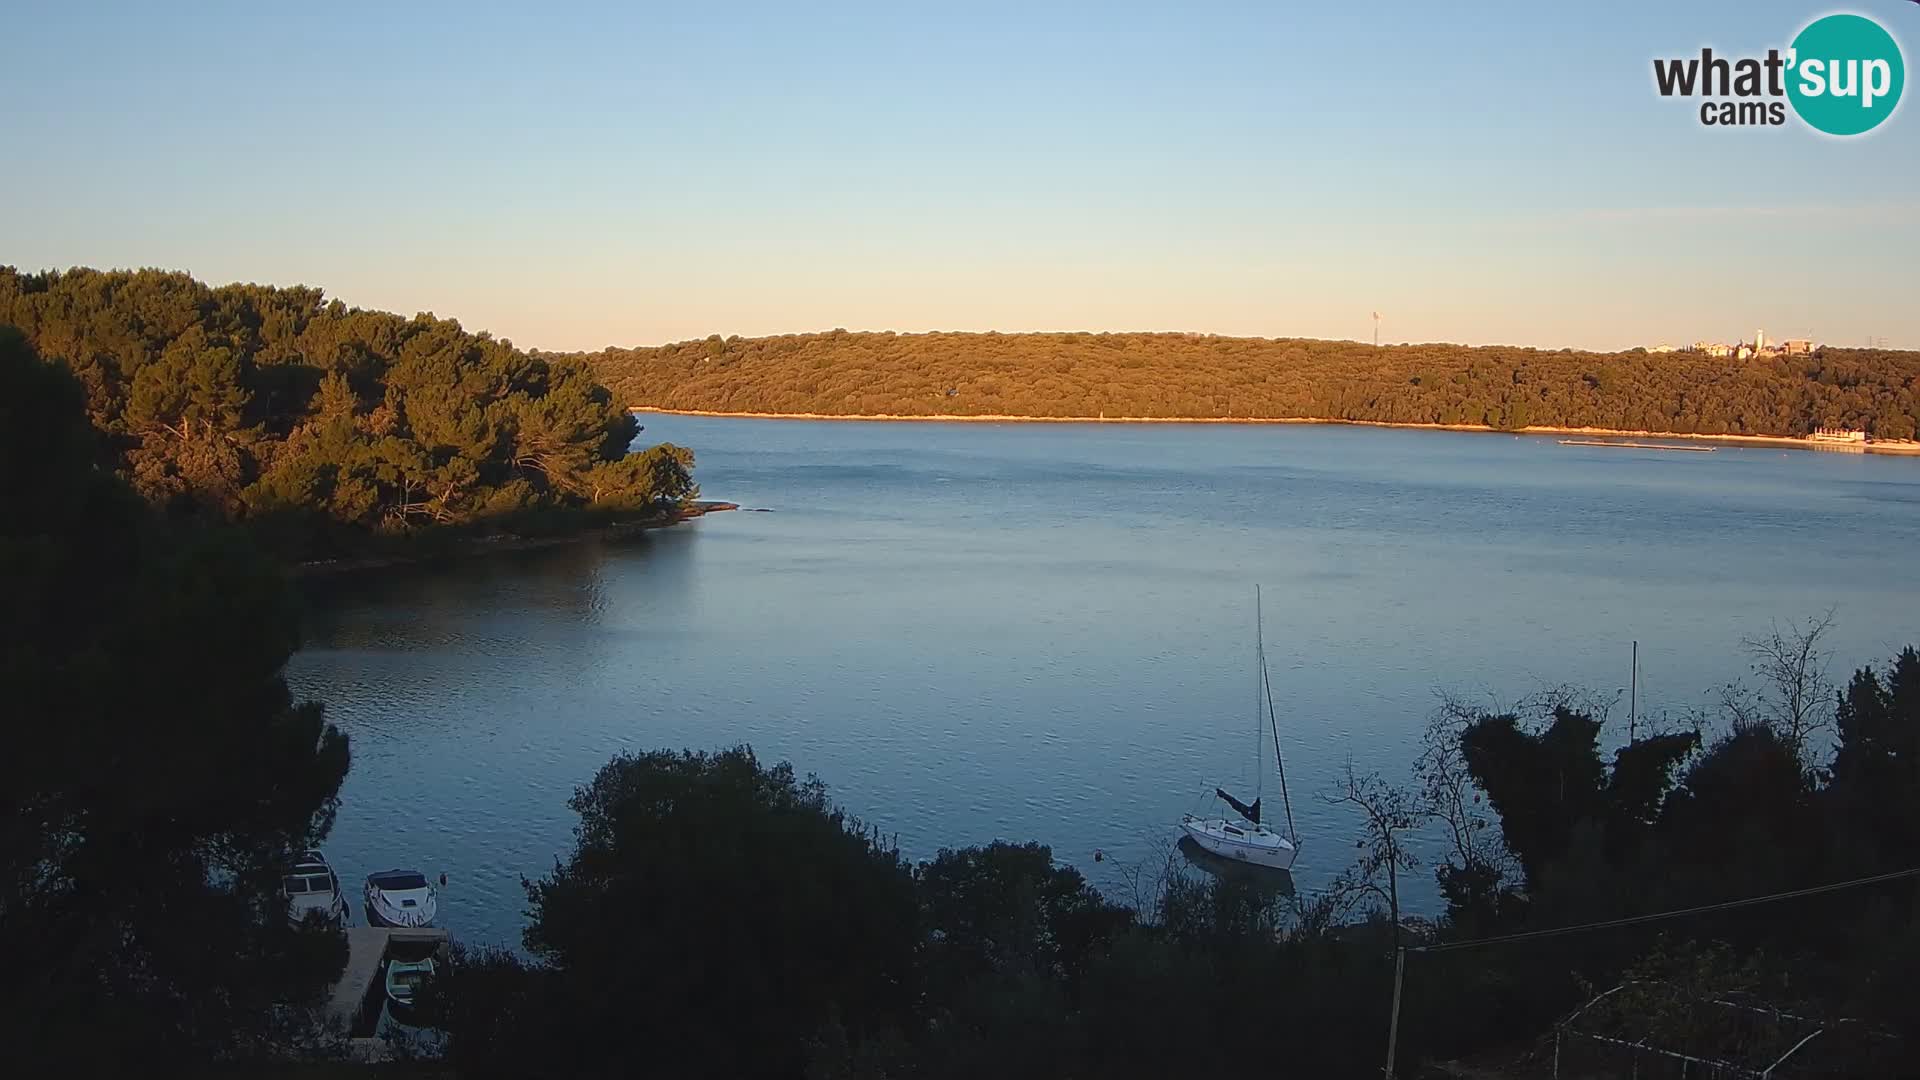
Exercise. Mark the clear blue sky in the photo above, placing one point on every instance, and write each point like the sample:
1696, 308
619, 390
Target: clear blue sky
629, 174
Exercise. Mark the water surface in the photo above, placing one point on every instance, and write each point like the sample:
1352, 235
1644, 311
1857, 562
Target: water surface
1045, 632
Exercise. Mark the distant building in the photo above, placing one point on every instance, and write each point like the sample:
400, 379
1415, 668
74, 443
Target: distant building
1742, 351
1838, 435
1797, 346
1662, 347
1759, 341
1713, 348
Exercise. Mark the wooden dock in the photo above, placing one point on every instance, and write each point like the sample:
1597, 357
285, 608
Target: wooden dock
360, 989
1638, 445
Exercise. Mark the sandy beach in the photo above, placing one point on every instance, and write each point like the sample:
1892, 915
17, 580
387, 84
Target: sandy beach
1785, 441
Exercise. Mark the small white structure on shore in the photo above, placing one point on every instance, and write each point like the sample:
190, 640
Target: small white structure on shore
1838, 435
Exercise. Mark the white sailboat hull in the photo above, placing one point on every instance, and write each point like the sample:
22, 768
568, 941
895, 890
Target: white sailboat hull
1258, 845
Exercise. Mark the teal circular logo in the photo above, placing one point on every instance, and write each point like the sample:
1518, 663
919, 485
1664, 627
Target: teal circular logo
1846, 74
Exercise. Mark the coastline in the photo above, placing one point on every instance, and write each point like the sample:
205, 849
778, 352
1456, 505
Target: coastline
488, 545
1898, 449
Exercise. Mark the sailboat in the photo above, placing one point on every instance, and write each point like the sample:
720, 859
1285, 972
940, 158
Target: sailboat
1249, 839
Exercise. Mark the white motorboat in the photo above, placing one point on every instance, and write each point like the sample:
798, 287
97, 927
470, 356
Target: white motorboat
402, 898
311, 888
1249, 840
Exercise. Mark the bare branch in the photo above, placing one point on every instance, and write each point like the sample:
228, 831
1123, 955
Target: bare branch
1390, 813
1796, 693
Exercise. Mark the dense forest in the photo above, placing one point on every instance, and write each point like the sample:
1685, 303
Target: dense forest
330, 429
1192, 375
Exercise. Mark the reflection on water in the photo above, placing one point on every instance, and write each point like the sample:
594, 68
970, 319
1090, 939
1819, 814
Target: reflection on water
1264, 878
1044, 632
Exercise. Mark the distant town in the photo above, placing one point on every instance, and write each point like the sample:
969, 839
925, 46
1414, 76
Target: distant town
1761, 348
1744, 350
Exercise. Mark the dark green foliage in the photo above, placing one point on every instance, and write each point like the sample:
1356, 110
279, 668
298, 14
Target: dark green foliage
1007, 909
324, 426
1206, 376
1009, 939
1741, 806
1546, 785
1643, 772
713, 905
1875, 786
156, 770
1673, 825
1212, 989
1541, 784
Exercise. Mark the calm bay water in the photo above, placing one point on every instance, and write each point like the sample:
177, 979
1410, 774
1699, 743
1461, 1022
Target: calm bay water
1045, 631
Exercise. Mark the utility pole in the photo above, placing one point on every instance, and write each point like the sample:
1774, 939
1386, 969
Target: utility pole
1393, 1026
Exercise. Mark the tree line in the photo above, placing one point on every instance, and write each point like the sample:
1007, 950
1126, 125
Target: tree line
709, 896
330, 429
1206, 376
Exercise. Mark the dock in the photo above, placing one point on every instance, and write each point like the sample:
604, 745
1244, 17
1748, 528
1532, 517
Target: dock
360, 989
1638, 445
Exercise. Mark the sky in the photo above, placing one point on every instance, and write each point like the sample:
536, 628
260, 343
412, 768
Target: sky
577, 176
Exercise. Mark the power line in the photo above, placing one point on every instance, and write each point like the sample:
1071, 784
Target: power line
1633, 920
1400, 955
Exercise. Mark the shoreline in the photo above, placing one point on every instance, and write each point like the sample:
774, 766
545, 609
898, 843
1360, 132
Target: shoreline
1792, 442
488, 545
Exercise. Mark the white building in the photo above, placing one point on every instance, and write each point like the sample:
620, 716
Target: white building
1838, 435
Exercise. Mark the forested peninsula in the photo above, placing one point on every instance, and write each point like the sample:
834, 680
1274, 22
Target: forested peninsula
331, 431
1208, 377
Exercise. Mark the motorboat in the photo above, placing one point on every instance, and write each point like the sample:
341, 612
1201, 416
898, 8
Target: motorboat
312, 890
401, 898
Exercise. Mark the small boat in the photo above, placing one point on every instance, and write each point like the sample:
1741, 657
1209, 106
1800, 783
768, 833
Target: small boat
404, 978
312, 888
1249, 840
401, 898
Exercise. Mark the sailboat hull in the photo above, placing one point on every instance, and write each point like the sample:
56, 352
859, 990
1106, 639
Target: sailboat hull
1258, 846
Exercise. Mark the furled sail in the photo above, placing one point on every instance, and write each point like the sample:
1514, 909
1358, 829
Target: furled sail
1251, 813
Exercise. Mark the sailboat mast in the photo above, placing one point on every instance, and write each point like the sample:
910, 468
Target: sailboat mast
1266, 685
1633, 698
1260, 674
1292, 833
